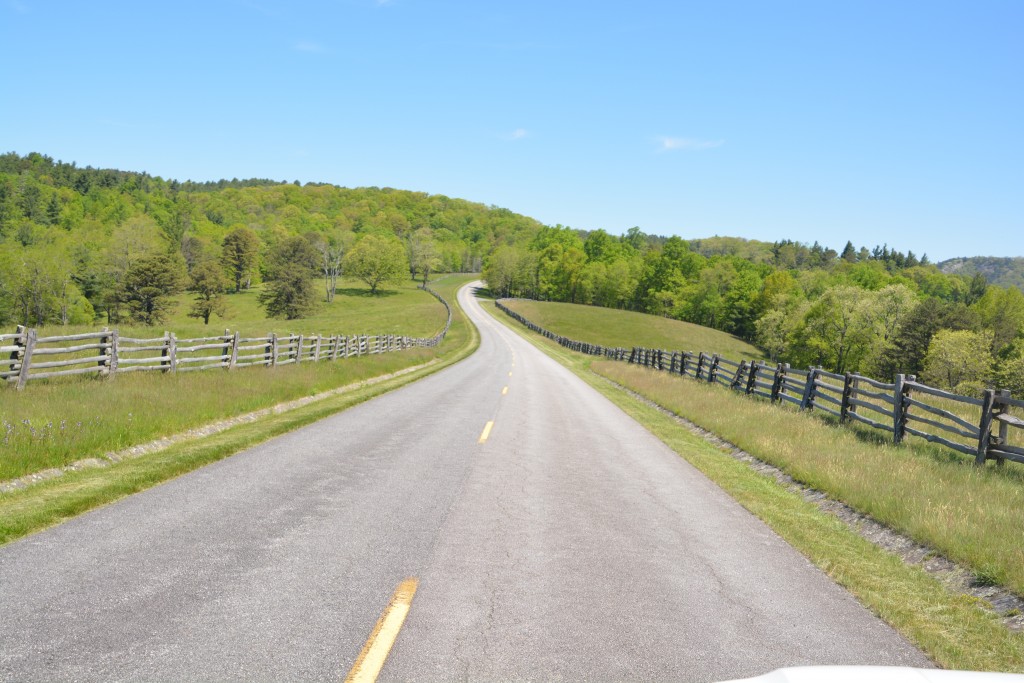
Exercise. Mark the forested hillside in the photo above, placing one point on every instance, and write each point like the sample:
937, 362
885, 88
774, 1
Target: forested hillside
79, 245
1005, 271
86, 245
875, 311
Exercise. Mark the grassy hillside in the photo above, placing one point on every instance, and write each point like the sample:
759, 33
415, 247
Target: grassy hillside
402, 309
613, 327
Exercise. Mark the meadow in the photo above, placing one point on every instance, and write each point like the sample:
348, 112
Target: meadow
399, 309
613, 327
52, 423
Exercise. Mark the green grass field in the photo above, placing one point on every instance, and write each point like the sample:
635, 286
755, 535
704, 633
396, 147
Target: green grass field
930, 494
195, 398
54, 423
399, 309
611, 327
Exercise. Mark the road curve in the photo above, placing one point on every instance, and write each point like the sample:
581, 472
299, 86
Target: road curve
569, 544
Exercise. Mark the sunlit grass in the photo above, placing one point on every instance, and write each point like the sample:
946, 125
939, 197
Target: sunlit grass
45, 504
949, 627
53, 423
971, 515
610, 327
400, 309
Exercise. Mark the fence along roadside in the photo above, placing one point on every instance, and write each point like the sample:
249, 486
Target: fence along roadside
107, 353
899, 408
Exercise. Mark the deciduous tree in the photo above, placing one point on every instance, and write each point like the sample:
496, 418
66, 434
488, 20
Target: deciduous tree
209, 284
376, 261
239, 254
959, 360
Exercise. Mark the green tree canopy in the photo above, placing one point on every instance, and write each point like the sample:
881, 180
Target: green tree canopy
149, 285
239, 255
291, 266
959, 360
376, 261
209, 284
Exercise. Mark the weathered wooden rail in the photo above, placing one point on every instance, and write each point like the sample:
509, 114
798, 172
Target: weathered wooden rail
25, 356
977, 427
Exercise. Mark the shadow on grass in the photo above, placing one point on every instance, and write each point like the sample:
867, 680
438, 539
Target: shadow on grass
484, 293
365, 293
936, 453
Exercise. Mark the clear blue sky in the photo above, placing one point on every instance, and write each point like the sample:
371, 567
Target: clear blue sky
880, 122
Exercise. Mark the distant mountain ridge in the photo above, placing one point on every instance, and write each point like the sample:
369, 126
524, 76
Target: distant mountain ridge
998, 270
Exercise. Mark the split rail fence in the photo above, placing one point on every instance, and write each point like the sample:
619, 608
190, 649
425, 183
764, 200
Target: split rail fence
107, 353
977, 427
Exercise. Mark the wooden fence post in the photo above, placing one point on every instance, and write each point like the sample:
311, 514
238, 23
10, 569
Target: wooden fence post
700, 365
316, 348
26, 356
777, 383
738, 377
236, 339
985, 427
115, 343
298, 349
19, 343
103, 355
898, 423
752, 377
844, 407
274, 349
1004, 428
172, 348
225, 354
713, 370
807, 400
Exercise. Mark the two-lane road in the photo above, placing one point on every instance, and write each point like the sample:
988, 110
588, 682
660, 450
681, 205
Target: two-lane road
552, 537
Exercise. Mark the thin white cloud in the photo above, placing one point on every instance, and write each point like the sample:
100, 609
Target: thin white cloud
307, 46
513, 135
667, 144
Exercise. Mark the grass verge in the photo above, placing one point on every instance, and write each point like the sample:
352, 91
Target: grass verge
46, 504
612, 327
951, 628
54, 423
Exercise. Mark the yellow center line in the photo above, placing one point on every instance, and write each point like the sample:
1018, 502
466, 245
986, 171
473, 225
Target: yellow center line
487, 431
504, 391
375, 652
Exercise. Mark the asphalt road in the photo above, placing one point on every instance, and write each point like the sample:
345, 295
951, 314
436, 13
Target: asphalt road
569, 545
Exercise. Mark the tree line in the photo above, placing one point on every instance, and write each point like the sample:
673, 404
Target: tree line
878, 312
80, 244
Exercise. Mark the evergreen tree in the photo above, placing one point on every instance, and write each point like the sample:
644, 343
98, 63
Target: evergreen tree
149, 285
849, 253
290, 292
